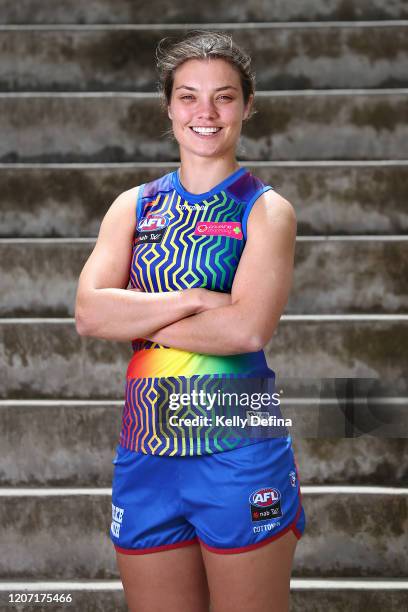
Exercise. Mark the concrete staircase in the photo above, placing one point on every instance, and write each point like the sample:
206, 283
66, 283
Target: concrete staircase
79, 123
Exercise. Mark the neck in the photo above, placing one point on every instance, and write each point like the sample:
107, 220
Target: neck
199, 175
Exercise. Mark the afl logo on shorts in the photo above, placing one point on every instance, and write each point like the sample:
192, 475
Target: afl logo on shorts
265, 504
152, 223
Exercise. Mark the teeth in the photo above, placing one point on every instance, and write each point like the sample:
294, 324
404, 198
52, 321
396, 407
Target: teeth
206, 130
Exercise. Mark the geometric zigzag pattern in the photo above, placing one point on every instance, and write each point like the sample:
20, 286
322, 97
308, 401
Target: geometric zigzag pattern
182, 260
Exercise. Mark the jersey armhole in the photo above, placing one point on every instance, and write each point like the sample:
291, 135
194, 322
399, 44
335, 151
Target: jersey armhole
249, 207
139, 208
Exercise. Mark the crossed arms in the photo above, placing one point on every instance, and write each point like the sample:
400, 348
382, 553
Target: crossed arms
196, 320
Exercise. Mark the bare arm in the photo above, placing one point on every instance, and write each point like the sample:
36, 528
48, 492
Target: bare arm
260, 289
104, 307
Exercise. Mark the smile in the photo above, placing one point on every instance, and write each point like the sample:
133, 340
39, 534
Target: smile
206, 131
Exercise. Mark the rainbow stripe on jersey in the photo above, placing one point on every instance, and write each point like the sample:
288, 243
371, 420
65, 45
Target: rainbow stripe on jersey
185, 240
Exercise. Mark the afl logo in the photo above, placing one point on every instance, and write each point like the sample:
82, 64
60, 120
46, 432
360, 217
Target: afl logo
152, 223
264, 498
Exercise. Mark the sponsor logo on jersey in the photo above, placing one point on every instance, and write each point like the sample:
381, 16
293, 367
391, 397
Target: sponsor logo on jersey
265, 504
151, 229
231, 229
152, 223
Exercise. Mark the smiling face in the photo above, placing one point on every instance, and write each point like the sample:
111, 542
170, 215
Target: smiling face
207, 94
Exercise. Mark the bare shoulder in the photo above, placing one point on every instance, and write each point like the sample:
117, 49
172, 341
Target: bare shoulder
122, 211
278, 206
125, 201
272, 210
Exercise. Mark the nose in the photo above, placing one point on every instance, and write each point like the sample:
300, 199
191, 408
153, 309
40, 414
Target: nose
207, 109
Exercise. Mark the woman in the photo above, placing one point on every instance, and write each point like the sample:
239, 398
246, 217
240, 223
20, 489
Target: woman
197, 515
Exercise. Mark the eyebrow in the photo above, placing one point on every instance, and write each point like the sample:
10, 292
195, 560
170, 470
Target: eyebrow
217, 89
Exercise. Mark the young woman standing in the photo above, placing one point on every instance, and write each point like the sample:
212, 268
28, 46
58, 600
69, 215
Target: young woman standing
197, 517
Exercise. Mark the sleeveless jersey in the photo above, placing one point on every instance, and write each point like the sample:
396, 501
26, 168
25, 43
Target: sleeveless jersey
181, 241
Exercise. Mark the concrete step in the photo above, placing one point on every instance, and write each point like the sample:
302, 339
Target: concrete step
121, 58
353, 595
368, 270
76, 448
39, 277
46, 358
119, 127
362, 197
127, 11
344, 537
307, 595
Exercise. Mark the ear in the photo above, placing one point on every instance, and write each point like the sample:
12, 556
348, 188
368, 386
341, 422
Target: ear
248, 106
169, 113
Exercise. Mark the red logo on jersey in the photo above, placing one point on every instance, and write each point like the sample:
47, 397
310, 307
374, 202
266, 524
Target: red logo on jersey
231, 229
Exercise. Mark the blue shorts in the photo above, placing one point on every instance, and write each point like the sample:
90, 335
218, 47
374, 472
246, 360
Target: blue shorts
231, 502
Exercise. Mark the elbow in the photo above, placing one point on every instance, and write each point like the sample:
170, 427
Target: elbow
86, 313
83, 324
255, 339
252, 343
